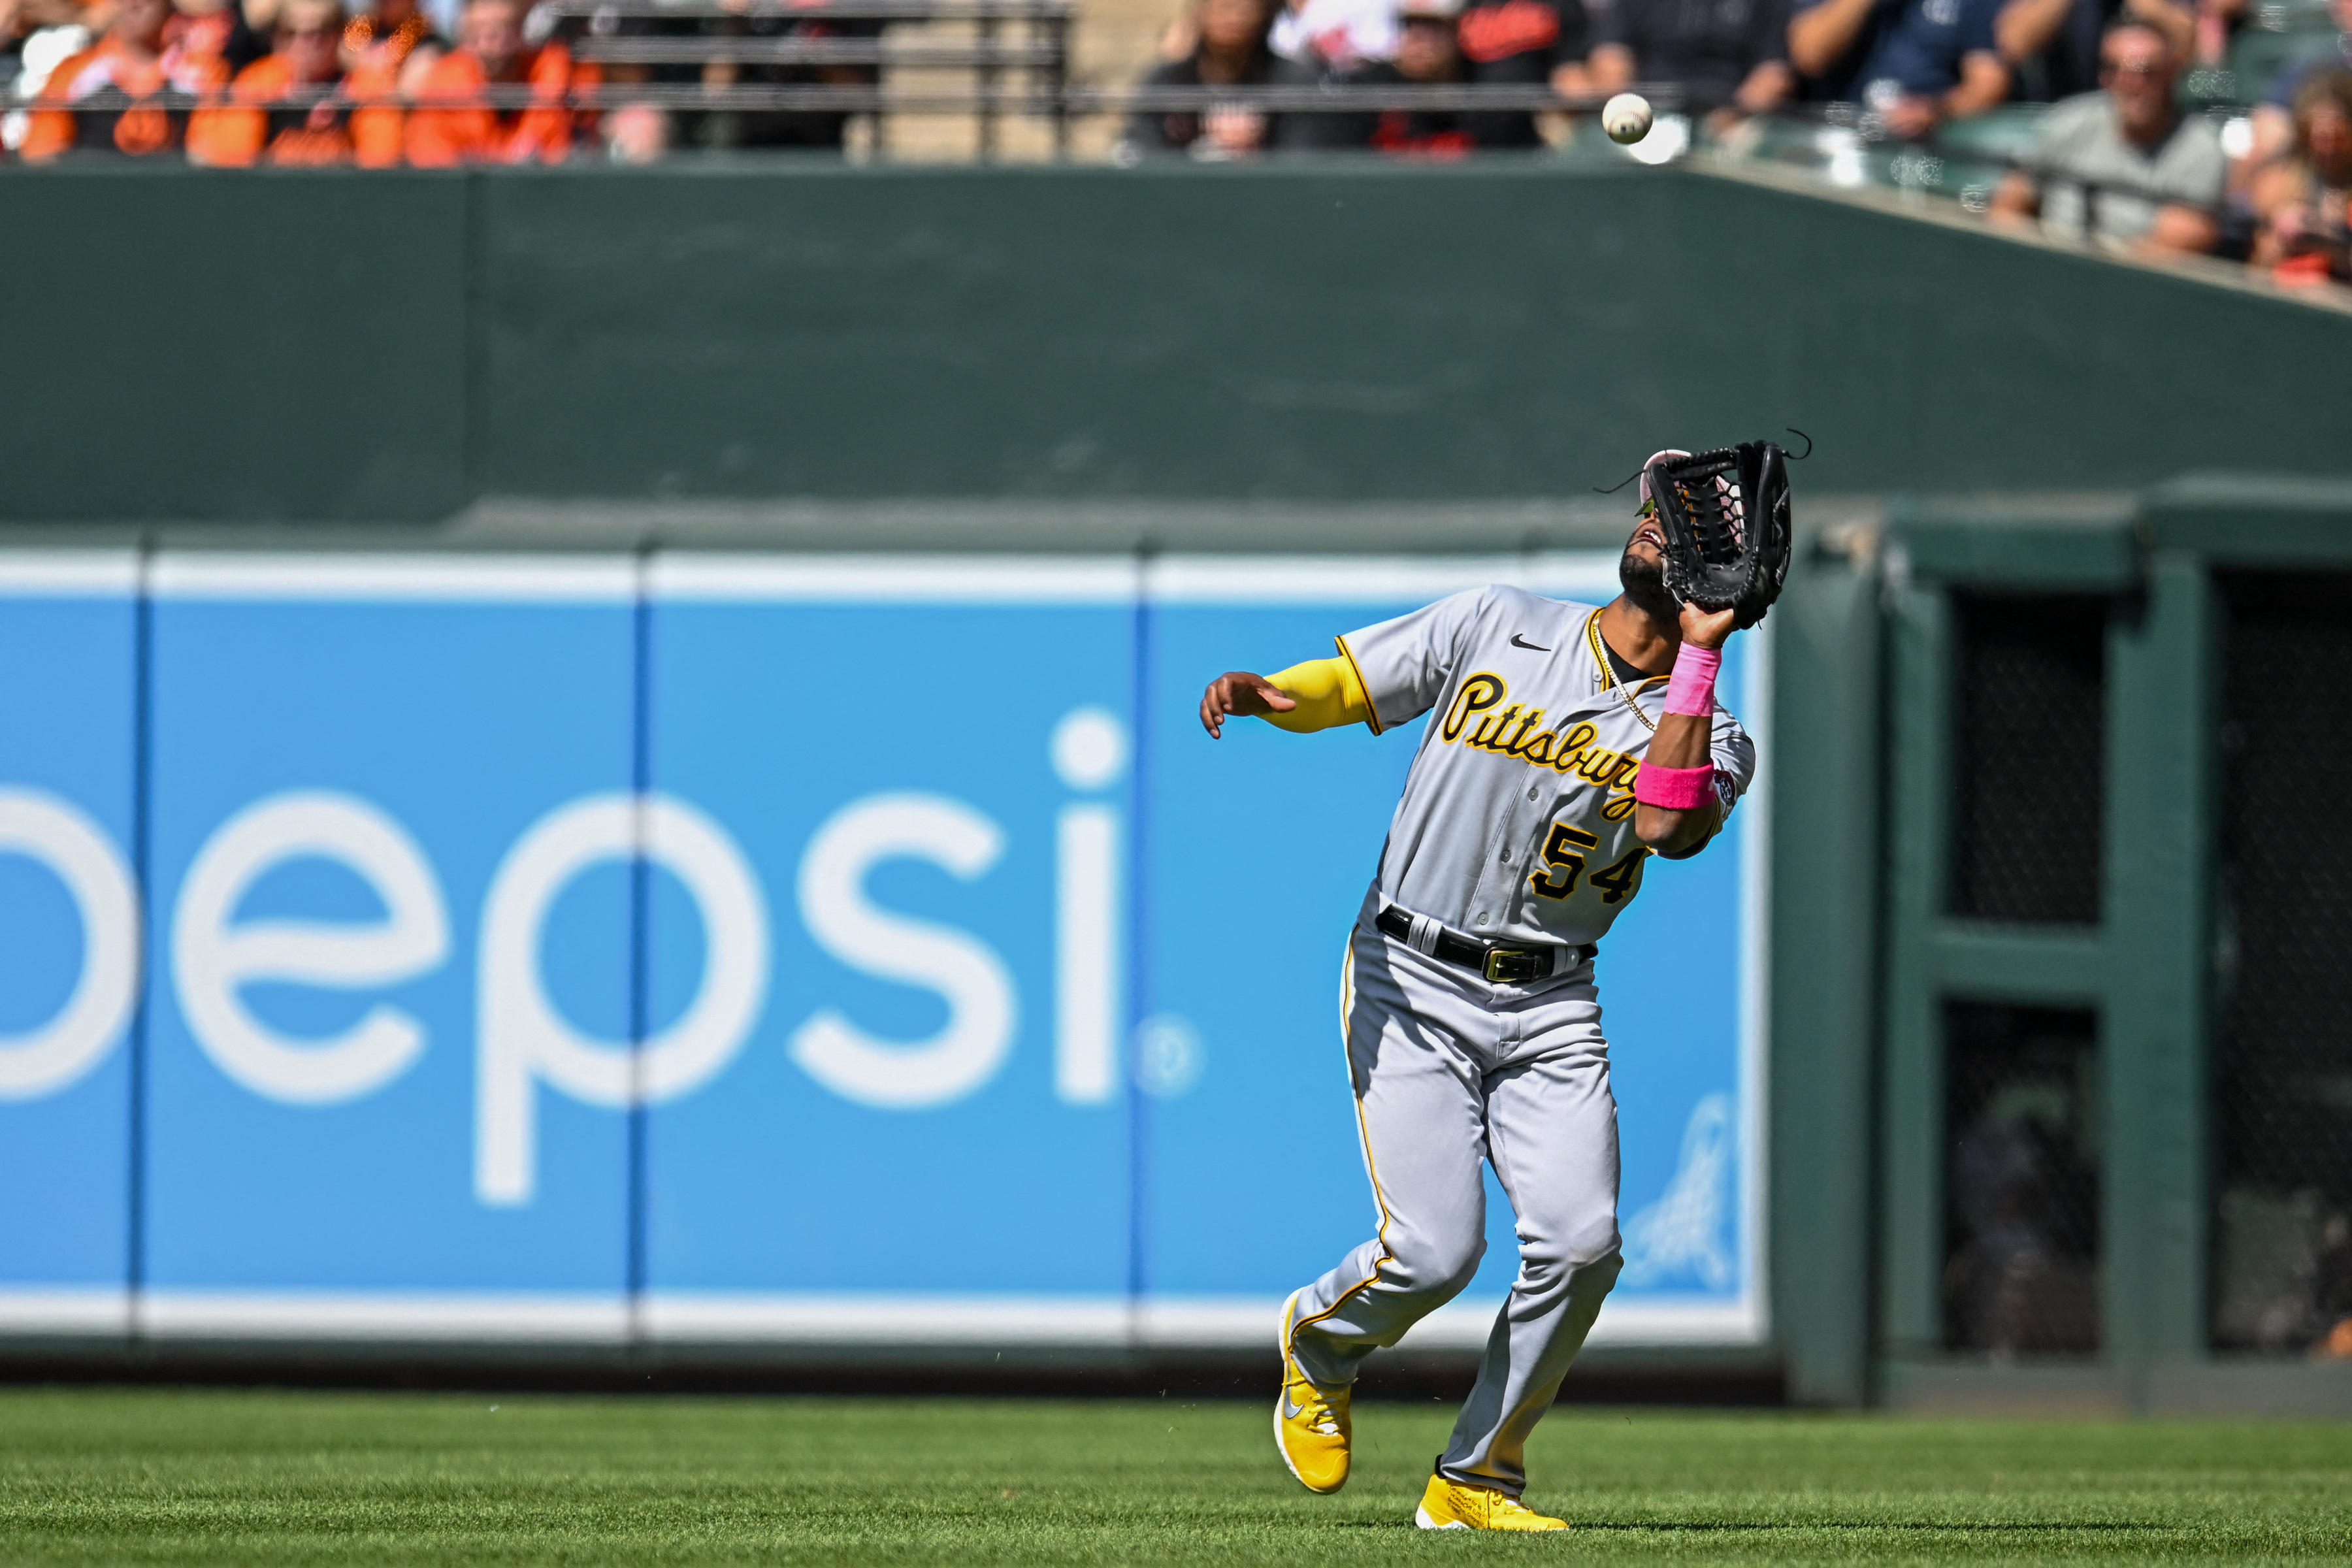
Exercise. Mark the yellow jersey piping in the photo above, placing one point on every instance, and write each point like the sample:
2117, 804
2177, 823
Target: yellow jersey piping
1353, 669
1363, 1133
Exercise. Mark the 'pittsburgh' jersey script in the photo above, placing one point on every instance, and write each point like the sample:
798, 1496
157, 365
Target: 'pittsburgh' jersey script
1516, 822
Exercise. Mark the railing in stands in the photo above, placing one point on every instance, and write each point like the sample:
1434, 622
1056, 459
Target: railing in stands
1017, 53
988, 53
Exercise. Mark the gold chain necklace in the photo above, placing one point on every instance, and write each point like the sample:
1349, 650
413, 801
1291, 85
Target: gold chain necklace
1609, 676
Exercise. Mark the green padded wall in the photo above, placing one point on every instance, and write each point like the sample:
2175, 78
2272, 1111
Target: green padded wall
1304, 332
190, 346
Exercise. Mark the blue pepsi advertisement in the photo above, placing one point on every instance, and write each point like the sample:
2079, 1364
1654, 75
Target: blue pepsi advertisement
70, 937
780, 949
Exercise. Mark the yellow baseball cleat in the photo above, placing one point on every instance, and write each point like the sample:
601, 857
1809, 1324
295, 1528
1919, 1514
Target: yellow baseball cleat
1450, 1505
1310, 1423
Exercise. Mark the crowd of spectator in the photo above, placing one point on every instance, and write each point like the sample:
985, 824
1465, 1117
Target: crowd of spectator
292, 81
233, 83
2116, 159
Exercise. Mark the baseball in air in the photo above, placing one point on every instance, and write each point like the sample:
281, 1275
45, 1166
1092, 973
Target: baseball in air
1626, 117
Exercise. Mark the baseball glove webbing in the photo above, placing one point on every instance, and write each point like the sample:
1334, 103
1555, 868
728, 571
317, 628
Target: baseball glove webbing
1725, 514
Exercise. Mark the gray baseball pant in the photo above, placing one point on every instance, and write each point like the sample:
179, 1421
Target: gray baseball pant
1447, 1067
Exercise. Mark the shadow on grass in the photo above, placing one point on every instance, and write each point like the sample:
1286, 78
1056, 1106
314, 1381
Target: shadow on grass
1987, 1527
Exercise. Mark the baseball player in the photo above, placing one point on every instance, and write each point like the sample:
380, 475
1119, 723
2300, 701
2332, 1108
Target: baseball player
1566, 745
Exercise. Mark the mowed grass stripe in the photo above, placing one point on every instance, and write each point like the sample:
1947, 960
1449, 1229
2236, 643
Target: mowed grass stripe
106, 1476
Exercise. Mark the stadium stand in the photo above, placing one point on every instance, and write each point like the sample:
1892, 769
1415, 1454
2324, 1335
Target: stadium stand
2007, 108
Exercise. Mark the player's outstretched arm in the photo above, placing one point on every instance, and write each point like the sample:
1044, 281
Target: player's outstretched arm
1320, 694
1684, 741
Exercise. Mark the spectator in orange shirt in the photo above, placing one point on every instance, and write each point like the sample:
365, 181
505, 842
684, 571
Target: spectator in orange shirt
388, 53
492, 54
395, 40
310, 39
133, 88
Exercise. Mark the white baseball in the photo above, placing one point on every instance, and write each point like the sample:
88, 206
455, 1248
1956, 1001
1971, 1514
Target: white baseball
1626, 117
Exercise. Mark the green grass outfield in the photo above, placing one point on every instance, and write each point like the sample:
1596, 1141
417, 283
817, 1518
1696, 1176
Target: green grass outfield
132, 1477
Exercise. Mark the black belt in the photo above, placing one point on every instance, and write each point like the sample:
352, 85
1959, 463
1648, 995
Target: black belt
1502, 966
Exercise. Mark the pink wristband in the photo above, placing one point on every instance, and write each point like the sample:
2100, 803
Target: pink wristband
1691, 690
1675, 789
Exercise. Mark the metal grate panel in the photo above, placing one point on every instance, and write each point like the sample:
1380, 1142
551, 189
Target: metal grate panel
2281, 1232
2031, 757
2020, 1179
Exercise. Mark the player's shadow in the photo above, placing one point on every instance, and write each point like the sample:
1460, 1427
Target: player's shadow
1981, 1527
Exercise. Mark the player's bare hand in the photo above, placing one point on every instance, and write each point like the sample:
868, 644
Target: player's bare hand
1708, 628
1239, 691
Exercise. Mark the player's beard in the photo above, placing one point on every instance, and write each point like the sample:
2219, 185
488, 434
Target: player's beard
1646, 585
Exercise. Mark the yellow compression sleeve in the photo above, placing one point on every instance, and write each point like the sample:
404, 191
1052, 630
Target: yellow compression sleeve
1329, 695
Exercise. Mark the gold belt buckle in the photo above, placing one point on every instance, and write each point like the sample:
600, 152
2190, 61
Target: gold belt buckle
1495, 956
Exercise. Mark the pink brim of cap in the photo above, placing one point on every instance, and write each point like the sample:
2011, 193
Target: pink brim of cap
1668, 452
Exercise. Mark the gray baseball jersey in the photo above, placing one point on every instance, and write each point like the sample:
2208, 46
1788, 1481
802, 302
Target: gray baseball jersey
1516, 823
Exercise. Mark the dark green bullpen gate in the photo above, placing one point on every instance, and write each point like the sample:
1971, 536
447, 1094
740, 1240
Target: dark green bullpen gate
2064, 1072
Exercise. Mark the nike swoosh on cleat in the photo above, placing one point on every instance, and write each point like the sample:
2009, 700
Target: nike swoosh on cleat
1518, 641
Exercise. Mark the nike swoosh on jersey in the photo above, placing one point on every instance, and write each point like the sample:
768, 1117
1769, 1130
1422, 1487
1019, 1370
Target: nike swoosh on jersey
1518, 641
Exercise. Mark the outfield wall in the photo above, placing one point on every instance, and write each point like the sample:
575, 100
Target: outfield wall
304, 346
1398, 361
